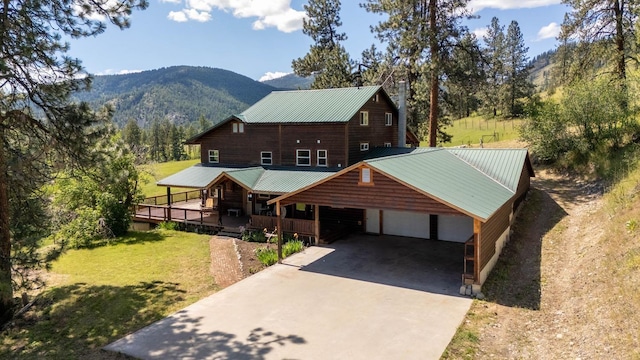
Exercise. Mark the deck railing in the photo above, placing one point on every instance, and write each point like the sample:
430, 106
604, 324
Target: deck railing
291, 226
177, 197
165, 213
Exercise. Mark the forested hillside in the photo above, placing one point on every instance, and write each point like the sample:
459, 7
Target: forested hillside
180, 94
291, 81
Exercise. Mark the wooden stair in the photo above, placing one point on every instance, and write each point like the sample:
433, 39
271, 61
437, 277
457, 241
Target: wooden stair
468, 276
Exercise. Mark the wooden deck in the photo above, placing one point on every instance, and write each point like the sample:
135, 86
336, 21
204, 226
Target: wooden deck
190, 213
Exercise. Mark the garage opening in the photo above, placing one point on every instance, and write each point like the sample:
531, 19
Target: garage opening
418, 225
338, 223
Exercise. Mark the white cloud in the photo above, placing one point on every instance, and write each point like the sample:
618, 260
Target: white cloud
477, 5
288, 21
171, 1
272, 13
550, 31
117, 72
189, 14
200, 16
178, 16
480, 33
273, 75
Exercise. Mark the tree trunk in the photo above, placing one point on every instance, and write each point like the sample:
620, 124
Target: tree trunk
433, 98
6, 291
620, 51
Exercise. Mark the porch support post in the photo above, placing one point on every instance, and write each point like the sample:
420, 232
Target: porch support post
279, 226
477, 231
169, 203
316, 222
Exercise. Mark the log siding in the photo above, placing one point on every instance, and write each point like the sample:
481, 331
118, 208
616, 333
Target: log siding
491, 230
385, 193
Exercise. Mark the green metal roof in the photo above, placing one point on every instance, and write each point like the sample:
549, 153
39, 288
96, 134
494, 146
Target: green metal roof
247, 177
503, 165
197, 176
256, 179
442, 175
285, 181
309, 106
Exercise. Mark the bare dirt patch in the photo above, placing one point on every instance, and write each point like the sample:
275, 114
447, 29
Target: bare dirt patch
553, 293
248, 259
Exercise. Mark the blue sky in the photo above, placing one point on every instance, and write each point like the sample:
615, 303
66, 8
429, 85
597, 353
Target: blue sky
259, 38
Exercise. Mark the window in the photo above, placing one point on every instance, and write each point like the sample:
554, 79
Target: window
214, 156
303, 157
388, 119
266, 158
238, 127
322, 158
366, 176
387, 144
364, 118
364, 146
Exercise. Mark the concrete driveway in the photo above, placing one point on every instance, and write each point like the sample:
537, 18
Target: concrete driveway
365, 297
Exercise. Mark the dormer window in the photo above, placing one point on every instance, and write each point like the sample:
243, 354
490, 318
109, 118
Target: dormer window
364, 118
238, 127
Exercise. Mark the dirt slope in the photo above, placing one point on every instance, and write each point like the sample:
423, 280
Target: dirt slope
553, 294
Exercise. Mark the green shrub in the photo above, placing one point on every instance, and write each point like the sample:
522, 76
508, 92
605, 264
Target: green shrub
169, 225
292, 247
267, 256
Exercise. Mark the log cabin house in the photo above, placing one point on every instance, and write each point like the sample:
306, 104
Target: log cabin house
325, 163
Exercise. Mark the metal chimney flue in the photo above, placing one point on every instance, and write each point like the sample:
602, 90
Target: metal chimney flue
402, 114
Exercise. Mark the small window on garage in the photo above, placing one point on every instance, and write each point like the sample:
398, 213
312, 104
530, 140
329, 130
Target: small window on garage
364, 146
366, 176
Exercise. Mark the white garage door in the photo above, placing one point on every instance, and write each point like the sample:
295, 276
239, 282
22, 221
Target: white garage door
403, 223
455, 228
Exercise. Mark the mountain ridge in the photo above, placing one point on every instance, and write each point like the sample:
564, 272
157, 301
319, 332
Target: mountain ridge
179, 93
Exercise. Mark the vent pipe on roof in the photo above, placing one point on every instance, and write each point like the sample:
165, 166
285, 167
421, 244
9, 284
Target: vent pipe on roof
402, 115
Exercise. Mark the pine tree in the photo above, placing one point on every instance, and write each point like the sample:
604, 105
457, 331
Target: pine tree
35, 114
327, 59
517, 83
419, 34
610, 21
601, 30
131, 134
494, 54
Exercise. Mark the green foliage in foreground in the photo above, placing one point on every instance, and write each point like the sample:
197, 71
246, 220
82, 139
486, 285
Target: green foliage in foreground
102, 294
269, 256
590, 121
292, 247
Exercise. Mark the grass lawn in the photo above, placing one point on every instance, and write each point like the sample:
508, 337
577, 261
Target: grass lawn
469, 131
99, 295
157, 171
